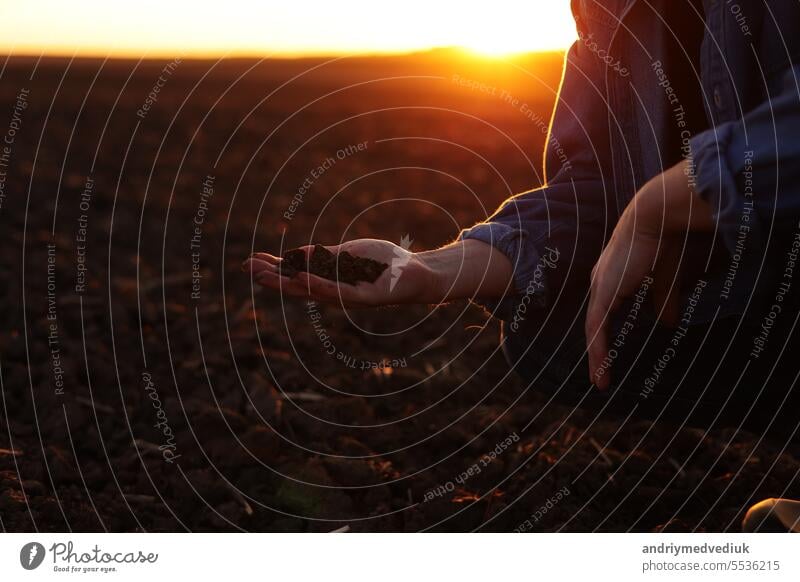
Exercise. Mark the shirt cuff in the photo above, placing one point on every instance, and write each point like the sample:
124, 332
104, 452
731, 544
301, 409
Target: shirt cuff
718, 183
529, 277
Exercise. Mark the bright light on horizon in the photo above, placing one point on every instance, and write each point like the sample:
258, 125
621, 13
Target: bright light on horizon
242, 27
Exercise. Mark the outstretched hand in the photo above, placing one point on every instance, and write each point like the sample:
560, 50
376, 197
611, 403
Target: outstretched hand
407, 279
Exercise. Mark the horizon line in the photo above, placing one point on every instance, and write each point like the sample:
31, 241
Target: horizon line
91, 54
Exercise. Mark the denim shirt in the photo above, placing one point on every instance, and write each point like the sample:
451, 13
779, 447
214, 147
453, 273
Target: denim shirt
617, 107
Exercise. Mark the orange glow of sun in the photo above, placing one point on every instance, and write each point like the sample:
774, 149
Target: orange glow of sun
244, 27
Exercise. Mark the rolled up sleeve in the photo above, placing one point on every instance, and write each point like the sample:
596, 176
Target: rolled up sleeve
552, 236
515, 243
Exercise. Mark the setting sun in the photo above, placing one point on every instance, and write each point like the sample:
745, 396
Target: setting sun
241, 27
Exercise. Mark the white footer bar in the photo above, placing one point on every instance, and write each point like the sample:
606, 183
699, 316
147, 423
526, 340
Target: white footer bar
401, 557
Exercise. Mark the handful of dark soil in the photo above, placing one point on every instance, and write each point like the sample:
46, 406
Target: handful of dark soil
344, 267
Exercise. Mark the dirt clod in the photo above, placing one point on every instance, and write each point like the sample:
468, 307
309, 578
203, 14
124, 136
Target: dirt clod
342, 267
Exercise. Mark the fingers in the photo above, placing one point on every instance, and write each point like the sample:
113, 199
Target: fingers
272, 279
329, 291
261, 263
305, 285
266, 257
597, 345
259, 258
666, 286
264, 270
602, 302
257, 266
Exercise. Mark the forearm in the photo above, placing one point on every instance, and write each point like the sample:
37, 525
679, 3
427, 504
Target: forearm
467, 269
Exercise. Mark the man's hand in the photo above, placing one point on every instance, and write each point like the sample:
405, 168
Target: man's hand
406, 280
462, 270
648, 238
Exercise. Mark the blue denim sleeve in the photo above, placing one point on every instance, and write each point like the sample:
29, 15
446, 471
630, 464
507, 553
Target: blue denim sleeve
514, 242
552, 236
749, 169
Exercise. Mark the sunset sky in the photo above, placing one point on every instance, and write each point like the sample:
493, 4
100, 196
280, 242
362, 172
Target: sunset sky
247, 27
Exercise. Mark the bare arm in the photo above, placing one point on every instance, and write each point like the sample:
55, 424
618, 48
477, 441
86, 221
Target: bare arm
469, 269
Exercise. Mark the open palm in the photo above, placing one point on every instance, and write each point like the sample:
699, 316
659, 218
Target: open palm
407, 280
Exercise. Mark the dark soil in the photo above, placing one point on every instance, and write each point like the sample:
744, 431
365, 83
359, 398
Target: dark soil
341, 267
174, 395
